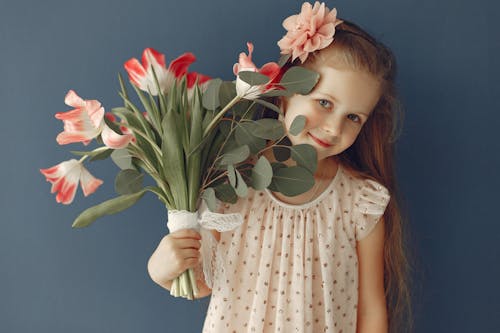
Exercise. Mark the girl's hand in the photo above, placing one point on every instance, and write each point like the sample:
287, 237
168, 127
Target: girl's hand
176, 252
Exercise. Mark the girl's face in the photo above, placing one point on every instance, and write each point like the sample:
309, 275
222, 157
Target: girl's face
335, 110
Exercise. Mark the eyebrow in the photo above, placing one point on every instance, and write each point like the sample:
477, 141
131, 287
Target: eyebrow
336, 100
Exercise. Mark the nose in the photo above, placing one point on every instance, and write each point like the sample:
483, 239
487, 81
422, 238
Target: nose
333, 126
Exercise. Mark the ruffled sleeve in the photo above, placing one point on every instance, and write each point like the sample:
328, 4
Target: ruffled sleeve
370, 204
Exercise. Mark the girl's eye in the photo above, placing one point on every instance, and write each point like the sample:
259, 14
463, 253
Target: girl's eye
354, 118
324, 103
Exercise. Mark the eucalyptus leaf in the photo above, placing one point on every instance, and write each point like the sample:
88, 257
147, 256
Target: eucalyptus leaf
275, 166
209, 196
122, 158
235, 156
128, 181
268, 128
244, 136
241, 188
293, 181
227, 92
281, 150
108, 207
276, 93
305, 155
269, 105
281, 154
262, 174
297, 125
211, 95
231, 174
253, 78
299, 80
225, 193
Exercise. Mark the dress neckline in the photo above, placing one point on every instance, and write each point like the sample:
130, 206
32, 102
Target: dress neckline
313, 202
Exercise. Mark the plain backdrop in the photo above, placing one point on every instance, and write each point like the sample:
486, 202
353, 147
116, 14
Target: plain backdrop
57, 279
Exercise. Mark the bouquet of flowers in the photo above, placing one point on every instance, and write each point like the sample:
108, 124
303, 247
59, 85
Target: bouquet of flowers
198, 138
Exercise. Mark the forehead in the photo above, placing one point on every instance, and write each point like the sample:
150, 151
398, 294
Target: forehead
355, 90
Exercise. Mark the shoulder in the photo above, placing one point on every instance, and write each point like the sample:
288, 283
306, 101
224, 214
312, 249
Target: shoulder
369, 199
366, 190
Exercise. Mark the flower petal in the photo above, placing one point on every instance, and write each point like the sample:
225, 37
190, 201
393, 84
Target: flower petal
72, 99
179, 66
88, 182
64, 178
136, 72
114, 140
151, 57
311, 30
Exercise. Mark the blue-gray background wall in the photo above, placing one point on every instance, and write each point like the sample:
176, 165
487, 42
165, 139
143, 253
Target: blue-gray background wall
56, 279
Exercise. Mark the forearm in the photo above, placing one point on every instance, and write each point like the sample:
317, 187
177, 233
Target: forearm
372, 321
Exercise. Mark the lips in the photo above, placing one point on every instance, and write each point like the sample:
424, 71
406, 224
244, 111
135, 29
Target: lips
319, 141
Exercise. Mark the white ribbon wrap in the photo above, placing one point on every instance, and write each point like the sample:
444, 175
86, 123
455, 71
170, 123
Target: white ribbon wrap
203, 221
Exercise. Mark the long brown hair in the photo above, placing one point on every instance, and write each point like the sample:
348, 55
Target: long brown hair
372, 154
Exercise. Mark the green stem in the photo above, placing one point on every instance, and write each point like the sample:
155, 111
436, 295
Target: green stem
220, 114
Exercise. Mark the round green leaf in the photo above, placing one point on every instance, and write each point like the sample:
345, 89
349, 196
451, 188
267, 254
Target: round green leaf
231, 175
299, 80
267, 128
235, 156
122, 158
211, 95
253, 78
269, 105
128, 181
305, 155
297, 125
244, 136
262, 174
241, 188
227, 92
209, 196
226, 193
293, 181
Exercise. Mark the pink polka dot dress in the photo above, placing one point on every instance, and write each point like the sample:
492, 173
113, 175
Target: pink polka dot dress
294, 268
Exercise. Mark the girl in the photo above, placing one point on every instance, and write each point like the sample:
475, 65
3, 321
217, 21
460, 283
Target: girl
331, 259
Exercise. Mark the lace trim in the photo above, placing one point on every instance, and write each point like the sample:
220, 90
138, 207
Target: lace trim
204, 221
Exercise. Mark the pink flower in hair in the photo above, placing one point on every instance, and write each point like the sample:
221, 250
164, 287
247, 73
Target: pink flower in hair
312, 29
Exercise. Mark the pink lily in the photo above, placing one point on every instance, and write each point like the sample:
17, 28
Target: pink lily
245, 90
86, 122
65, 177
142, 76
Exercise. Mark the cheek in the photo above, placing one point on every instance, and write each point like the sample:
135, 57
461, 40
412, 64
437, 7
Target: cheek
351, 135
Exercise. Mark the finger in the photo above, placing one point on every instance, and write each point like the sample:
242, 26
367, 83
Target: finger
186, 233
188, 243
191, 263
189, 253
185, 243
